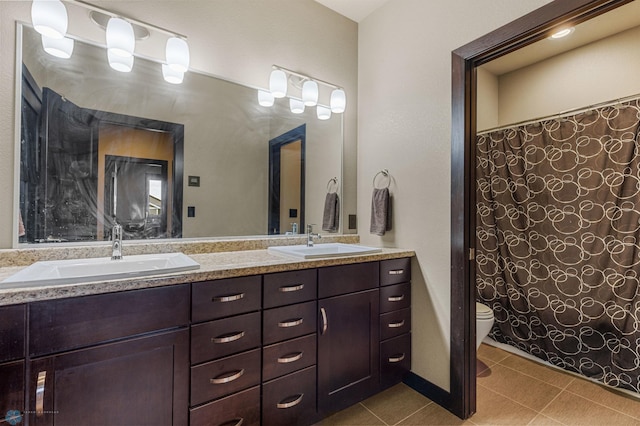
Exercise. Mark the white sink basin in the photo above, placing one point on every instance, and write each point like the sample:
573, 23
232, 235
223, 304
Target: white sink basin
103, 268
323, 250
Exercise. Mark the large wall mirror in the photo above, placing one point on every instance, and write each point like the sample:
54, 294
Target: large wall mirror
199, 159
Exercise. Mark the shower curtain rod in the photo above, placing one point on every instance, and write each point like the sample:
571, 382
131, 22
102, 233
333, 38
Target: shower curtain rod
563, 113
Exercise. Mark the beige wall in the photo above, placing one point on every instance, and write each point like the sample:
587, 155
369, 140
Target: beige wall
595, 73
235, 39
404, 124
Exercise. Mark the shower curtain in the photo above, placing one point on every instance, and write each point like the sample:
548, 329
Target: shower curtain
558, 240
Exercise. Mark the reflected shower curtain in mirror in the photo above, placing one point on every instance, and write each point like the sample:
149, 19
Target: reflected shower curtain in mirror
558, 240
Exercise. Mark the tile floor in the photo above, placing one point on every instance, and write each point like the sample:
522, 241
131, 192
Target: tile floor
511, 391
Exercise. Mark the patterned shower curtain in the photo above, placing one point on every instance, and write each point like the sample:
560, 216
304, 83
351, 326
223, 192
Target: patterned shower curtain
558, 240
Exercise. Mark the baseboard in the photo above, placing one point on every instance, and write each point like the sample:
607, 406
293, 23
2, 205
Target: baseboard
428, 389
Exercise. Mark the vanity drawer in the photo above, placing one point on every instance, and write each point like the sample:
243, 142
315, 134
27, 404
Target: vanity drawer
239, 408
395, 323
395, 297
12, 331
394, 271
225, 376
288, 322
287, 288
222, 298
289, 356
344, 279
395, 359
215, 339
290, 400
63, 324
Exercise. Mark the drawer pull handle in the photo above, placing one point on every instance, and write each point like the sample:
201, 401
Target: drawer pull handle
42, 379
226, 338
396, 324
229, 298
234, 422
396, 358
222, 379
290, 323
396, 272
396, 298
293, 357
288, 288
325, 323
291, 403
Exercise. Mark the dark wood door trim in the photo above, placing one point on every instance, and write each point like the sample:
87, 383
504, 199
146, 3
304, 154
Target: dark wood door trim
528, 29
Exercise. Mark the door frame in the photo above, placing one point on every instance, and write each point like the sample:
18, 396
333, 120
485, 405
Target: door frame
528, 29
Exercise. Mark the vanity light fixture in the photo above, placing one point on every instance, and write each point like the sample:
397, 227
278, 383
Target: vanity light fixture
177, 54
338, 101
58, 47
296, 106
310, 93
562, 33
172, 76
120, 63
278, 83
265, 98
49, 18
120, 38
323, 112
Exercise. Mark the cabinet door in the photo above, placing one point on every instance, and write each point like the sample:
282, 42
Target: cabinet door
348, 349
142, 381
12, 391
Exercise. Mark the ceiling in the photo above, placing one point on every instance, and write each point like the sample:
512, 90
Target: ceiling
356, 10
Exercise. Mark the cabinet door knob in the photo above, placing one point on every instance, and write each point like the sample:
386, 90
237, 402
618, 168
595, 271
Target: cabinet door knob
396, 358
292, 403
40, 384
222, 379
290, 323
396, 324
395, 298
228, 298
288, 288
293, 357
226, 338
396, 272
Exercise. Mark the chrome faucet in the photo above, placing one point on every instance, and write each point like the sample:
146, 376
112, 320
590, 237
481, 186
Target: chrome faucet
116, 242
310, 235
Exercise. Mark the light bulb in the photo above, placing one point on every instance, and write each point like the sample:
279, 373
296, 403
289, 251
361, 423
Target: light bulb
310, 93
323, 113
120, 38
120, 63
296, 106
49, 18
265, 98
338, 101
177, 52
58, 47
278, 83
172, 76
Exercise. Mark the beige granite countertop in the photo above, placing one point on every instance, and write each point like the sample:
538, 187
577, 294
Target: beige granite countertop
212, 266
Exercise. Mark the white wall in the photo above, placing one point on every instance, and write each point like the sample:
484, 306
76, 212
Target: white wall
404, 124
235, 39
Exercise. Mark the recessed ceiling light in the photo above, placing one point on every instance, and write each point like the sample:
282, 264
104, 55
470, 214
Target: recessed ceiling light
562, 33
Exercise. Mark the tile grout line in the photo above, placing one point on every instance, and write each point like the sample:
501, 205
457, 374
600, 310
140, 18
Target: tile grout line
540, 412
602, 405
374, 414
415, 412
511, 399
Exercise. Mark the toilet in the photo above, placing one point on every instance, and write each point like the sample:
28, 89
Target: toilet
484, 322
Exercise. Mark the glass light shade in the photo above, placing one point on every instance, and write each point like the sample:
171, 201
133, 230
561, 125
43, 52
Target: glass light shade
172, 76
120, 63
310, 93
338, 101
49, 18
278, 83
58, 47
120, 38
177, 52
265, 98
323, 113
296, 106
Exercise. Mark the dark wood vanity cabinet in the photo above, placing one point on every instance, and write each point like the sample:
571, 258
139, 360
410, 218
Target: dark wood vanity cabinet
12, 362
119, 358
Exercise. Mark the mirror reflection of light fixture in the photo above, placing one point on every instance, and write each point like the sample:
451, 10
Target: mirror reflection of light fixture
338, 101
265, 98
323, 112
120, 63
310, 93
49, 18
296, 106
177, 54
58, 47
172, 76
120, 38
278, 83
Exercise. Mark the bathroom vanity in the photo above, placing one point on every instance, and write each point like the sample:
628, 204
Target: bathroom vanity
291, 343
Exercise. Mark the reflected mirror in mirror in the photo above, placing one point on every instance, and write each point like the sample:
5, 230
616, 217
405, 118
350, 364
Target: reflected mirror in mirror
98, 146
